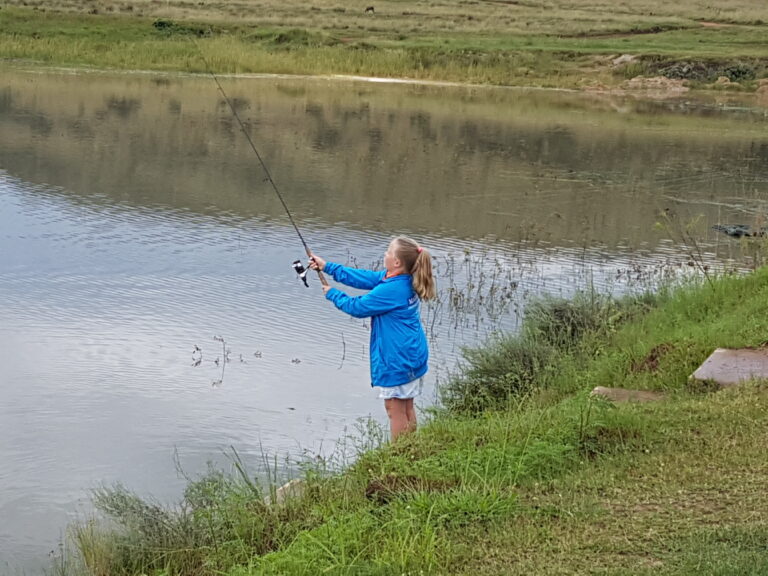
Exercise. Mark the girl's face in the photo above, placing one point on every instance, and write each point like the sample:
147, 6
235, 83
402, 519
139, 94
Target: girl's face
391, 262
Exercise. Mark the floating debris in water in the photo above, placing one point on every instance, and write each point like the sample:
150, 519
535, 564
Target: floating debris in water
197, 356
740, 230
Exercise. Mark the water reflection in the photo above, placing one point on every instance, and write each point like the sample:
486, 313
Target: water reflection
470, 164
136, 225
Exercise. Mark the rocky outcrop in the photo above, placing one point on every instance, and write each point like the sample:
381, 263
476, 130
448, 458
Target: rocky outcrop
656, 84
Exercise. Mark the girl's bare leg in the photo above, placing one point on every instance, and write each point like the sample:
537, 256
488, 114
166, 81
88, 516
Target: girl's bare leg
410, 412
398, 416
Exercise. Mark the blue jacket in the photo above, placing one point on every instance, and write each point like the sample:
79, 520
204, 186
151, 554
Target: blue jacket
398, 346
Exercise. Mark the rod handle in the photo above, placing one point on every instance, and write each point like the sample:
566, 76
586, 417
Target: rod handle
320, 274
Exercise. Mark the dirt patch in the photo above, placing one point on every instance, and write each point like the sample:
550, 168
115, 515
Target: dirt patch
651, 362
603, 440
389, 487
625, 33
622, 395
714, 25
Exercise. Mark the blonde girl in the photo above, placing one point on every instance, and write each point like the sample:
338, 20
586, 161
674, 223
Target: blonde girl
398, 347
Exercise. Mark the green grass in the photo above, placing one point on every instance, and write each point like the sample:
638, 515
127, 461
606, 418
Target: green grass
448, 42
544, 480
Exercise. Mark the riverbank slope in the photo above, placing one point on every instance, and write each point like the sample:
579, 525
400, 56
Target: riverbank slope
522, 472
553, 43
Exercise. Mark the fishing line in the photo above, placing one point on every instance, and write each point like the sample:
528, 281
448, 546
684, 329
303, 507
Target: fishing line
300, 270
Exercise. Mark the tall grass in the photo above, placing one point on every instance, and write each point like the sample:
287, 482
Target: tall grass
222, 521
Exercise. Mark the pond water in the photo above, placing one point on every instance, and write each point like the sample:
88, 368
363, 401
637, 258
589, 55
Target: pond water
137, 231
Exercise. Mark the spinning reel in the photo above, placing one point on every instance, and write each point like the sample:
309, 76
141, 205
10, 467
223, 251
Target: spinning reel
301, 271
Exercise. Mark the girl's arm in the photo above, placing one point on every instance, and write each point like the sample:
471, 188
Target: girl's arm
354, 277
378, 301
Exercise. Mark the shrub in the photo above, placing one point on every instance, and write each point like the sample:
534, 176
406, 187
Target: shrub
496, 372
513, 365
170, 28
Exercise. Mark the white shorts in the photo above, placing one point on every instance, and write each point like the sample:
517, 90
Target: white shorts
404, 391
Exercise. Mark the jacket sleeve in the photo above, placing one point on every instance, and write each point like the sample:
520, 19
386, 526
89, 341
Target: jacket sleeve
354, 277
378, 301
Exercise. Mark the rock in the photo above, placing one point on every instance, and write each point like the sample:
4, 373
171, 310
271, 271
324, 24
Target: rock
655, 83
762, 93
725, 82
290, 490
728, 367
621, 395
624, 59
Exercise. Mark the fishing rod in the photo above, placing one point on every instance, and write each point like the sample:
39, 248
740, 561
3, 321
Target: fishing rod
297, 265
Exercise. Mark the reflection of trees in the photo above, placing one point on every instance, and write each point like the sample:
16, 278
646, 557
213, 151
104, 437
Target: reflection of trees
239, 104
6, 100
395, 158
123, 107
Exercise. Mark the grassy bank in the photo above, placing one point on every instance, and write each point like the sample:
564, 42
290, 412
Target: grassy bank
522, 473
552, 44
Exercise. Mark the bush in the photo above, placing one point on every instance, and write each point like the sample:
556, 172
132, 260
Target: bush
513, 365
496, 372
170, 28
563, 324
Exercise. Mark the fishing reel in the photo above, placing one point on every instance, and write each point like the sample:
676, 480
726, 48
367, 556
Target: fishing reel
301, 271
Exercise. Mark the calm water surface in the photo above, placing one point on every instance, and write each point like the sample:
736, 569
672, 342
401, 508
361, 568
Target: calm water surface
136, 225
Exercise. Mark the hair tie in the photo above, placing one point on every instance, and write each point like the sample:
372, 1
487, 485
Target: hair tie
419, 249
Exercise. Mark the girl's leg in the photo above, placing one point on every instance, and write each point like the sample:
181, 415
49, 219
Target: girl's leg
410, 412
398, 417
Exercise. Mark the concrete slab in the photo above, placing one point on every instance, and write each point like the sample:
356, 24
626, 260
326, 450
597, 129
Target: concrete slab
728, 367
619, 395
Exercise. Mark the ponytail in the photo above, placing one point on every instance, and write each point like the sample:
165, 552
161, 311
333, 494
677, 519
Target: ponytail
418, 263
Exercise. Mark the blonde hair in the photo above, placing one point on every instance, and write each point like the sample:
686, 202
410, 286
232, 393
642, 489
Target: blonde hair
418, 263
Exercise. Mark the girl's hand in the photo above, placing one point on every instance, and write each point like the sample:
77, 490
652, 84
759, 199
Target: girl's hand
326, 287
316, 263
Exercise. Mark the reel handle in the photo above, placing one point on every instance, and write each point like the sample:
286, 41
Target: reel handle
320, 274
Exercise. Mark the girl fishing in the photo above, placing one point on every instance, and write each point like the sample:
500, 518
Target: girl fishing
398, 348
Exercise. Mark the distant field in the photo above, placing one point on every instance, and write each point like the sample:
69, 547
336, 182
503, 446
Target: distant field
547, 43
396, 18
